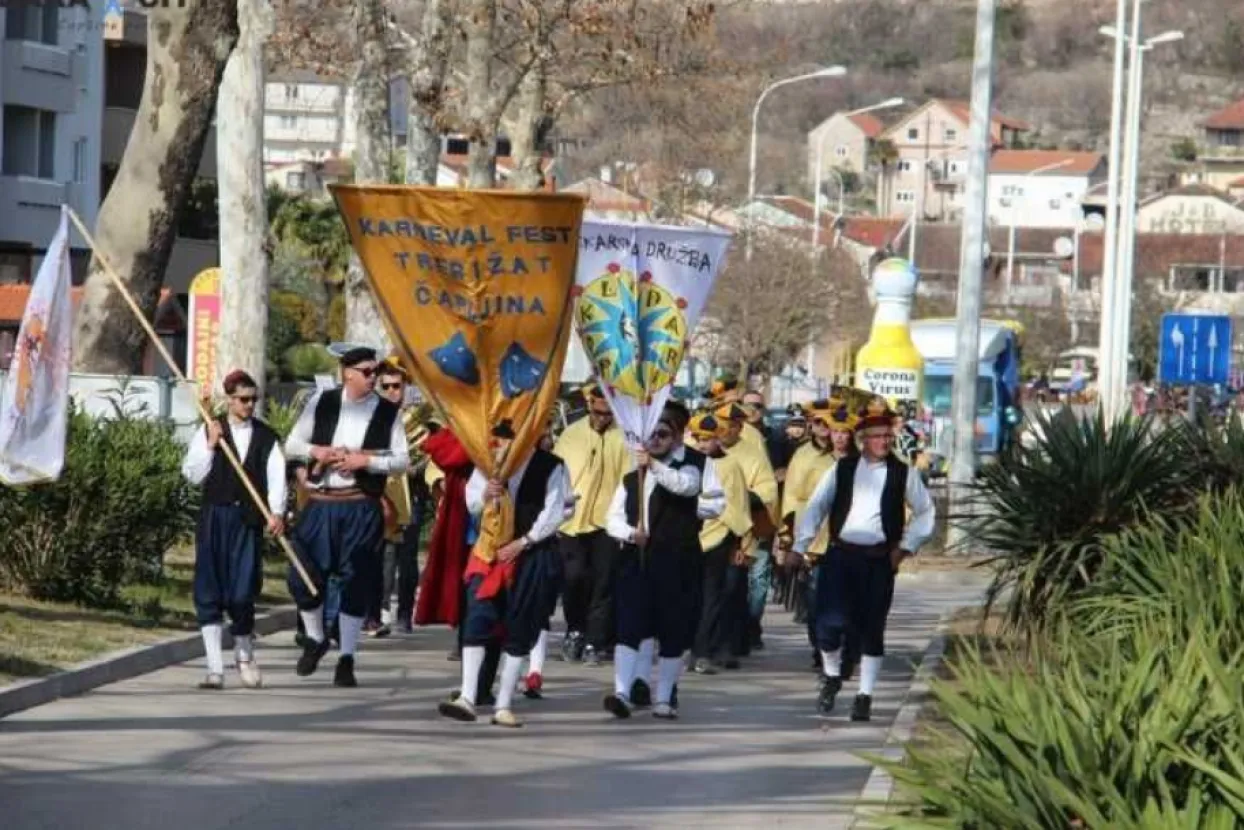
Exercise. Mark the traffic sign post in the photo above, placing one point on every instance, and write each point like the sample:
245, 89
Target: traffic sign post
1195, 350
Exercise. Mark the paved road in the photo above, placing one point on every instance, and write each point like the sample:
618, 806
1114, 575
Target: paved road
748, 752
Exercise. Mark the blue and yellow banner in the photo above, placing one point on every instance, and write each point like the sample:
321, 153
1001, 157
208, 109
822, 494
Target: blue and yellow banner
475, 287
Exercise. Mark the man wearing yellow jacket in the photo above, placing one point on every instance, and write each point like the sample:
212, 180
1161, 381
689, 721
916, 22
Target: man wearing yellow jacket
722, 539
596, 457
763, 487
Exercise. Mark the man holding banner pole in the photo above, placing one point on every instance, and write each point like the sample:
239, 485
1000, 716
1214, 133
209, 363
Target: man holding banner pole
351, 440
515, 592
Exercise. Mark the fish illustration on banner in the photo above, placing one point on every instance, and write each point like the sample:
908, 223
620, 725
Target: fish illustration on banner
639, 294
476, 291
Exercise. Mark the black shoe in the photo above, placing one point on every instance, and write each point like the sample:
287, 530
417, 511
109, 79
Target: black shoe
591, 657
732, 664
301, 639
705, 667
617, 706
312, 653
862, 709
830, 687
344, 676
641, 694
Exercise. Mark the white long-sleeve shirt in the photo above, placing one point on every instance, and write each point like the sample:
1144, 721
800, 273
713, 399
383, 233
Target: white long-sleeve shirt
557, 494
198, 462
712, 501
684, 481
351, 429
862, 525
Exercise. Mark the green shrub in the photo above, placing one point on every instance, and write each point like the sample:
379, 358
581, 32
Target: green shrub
119, 505
306, 361
1043, 510
1080, 738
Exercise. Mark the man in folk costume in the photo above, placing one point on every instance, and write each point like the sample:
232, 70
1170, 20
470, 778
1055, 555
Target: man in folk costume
722, 539
726, 391
351, 440
516, 590
596, 458
763, 486
865, 499
228, 561
660, 568
533, 680
832, 439
402, 520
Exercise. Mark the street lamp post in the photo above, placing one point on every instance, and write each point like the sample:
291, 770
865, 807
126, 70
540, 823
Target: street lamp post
820, 162
1010, 245
828, 72
1120, 299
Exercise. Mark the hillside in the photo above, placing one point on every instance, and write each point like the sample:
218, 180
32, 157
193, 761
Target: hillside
1053, 70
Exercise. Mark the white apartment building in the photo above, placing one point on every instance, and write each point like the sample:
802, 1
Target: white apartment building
51, 95
305, 118
1042, 188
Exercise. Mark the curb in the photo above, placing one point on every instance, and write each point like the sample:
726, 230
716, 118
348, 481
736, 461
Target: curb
879, 788
124, 664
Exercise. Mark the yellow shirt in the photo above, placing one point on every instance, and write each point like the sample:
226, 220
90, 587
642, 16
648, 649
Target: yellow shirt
807, 468
758, 474
737, 517
754, 438
596, 464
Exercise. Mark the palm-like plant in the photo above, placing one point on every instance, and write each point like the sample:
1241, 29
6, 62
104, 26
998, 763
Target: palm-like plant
1044, 510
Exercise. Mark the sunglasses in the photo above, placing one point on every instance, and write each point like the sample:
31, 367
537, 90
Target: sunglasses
367, 372
390, 387
245, 398
663, 434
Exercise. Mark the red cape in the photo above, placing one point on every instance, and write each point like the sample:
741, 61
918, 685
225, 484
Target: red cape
440, 594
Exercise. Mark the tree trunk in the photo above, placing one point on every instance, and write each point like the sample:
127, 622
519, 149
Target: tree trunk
481, 120
187, 49
243, 210
371, 159
532, 129
429, 67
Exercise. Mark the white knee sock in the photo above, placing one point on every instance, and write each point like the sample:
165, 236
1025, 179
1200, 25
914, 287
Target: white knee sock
244, 648
624, 660
351, 628
870, 668
540, 651
510, 667
211, 647
831, 662
647, 648
472, 662
668, 672
313, 623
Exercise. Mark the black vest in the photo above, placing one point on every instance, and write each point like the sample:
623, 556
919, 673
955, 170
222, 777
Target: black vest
377, 436
893, 498
222, 485
532, 491
671, 520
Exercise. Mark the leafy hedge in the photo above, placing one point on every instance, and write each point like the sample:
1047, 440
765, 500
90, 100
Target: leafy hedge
119, 505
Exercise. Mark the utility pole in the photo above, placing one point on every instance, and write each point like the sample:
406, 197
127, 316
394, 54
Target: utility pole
1110, 267
971, 266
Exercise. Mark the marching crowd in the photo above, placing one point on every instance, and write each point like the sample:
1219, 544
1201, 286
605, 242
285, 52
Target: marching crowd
662, 557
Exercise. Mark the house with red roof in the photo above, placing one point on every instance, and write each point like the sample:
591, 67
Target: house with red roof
1041, 188
843, 142
1220, 152
927, 169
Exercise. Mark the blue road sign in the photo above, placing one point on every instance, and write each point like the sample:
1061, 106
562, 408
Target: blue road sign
1195, 349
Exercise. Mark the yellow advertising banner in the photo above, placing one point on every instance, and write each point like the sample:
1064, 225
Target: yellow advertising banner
475, 287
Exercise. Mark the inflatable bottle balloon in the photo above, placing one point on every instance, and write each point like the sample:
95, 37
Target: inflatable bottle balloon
888, 364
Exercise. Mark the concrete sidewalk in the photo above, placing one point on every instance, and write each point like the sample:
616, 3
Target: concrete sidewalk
748, 752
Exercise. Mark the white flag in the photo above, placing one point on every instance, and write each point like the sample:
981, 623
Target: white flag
640, 290
35, 405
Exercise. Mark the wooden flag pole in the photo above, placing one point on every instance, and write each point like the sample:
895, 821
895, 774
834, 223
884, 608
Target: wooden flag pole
286, 547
